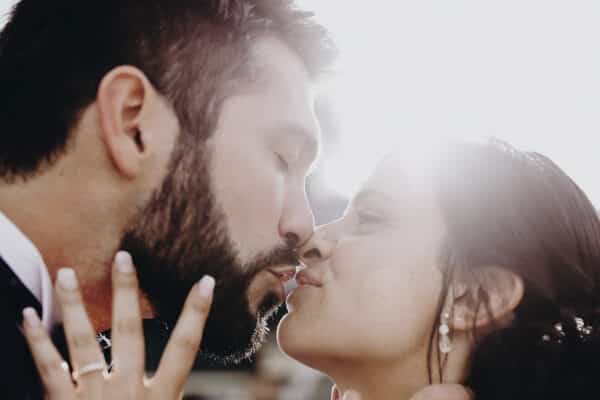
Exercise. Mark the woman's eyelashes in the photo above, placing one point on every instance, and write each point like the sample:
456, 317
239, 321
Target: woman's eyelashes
282, 163
367, 220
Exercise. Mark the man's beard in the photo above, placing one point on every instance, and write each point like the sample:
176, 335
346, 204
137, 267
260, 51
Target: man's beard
180, 236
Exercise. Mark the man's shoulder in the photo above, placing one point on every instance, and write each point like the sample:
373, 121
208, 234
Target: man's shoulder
12, 298
14, 295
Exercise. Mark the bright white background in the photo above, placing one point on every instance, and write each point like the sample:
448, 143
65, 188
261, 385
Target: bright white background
527, 71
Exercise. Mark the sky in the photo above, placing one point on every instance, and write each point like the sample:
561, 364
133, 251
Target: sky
411, 72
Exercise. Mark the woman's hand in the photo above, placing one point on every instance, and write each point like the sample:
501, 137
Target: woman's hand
433, 392
90, 379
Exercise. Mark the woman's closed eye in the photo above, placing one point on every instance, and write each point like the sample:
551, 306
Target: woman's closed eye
282, 163
367, 220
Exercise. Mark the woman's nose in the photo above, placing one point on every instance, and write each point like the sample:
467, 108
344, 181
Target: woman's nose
318, 247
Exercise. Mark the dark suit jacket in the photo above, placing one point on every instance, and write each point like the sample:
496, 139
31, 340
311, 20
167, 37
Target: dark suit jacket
18, 376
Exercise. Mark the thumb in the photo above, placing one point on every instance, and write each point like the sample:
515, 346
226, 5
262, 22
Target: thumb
444, 392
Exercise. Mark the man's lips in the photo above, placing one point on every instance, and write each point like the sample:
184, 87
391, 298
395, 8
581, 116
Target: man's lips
284, 274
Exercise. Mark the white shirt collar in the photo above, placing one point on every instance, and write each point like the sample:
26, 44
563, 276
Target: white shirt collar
27, 263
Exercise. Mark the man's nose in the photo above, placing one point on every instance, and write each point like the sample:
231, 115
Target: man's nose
297, 223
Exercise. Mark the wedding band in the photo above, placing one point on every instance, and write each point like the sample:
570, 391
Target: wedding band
88, 369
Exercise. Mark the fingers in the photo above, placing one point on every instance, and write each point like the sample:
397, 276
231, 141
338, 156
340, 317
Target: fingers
335, 393
127, 331
444, 392
83, 348
48, 361
182, 348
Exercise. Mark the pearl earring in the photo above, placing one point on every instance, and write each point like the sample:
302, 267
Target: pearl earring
445, 344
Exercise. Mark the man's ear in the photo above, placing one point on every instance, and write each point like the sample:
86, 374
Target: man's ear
490, 299
122, 100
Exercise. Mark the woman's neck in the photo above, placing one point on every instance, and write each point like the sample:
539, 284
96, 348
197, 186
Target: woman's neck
400, 379
380, 381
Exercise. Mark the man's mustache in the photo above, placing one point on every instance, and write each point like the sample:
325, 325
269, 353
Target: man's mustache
281, 255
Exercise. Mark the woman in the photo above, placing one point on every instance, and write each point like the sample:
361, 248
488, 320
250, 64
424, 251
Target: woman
481, 269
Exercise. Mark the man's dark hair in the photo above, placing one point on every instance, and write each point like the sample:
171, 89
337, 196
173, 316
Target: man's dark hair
53, 55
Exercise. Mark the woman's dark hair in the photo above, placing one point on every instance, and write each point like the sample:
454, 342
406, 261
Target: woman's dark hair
520, 211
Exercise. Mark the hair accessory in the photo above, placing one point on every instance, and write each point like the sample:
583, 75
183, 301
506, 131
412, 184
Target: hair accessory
559, 329
559, 333
445, 344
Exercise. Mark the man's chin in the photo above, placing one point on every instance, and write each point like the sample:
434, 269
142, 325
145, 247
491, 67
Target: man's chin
268, 306
267, 309
237, 356
233, 332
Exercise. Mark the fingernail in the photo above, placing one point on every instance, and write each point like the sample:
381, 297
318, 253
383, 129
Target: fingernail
67, 279
31, 318
206, 286
351, 395
124, 262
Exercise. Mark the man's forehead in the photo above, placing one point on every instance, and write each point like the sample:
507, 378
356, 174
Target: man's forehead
274, 62
281, 87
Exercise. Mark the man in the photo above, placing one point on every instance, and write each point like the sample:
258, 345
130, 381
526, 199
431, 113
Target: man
180, 131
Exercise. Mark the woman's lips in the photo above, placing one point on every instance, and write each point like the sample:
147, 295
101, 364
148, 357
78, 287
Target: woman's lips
305, 278
284, 274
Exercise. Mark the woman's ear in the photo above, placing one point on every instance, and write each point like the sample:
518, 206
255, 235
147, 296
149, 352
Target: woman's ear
490, 299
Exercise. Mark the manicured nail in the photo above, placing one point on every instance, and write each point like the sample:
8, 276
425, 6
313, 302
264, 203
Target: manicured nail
31, 318
351, 395
124, 262
67, 279
206, 286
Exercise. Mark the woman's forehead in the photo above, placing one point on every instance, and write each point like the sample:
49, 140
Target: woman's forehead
400, 174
